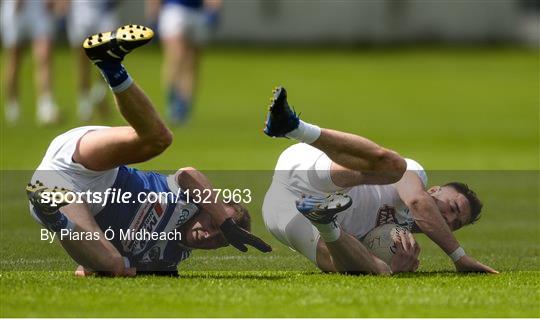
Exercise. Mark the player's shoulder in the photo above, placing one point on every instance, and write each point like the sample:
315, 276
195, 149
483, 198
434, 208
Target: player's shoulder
413, 165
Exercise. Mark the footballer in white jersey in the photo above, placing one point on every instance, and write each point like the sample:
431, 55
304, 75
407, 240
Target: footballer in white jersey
332, 189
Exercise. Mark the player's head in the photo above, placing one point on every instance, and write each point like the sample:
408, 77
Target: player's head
201, 232
458, 204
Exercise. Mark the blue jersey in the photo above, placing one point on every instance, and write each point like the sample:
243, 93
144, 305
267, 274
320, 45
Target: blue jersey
136, 216
193, 4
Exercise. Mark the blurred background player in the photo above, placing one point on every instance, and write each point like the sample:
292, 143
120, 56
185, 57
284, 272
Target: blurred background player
184, 26
89, 17
24, 21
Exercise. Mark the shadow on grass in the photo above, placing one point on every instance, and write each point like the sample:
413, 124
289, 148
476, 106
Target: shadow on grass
432, 274
259, 275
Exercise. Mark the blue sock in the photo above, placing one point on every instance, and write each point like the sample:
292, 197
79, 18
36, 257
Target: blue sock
179, 107
56, 221
115, 74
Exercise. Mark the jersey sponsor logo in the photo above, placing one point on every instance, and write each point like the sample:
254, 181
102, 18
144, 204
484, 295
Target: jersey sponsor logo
182, 213
147, 218
386, 214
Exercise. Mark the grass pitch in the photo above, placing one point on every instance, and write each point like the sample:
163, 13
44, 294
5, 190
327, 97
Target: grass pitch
471, 114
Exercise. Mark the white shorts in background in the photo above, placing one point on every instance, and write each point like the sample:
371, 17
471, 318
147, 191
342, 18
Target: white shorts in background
32, 20
88, 17
176, 20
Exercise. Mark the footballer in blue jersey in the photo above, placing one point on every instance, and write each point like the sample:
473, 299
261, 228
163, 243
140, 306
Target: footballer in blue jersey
185, 26
113, 219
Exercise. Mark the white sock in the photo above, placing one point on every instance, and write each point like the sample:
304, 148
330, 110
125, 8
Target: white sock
12, 111
85, 106
306, 132
123, 86
98, 92
329, 232
47, 111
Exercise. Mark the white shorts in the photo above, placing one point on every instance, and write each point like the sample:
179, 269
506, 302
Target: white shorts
88, 17
301, 169
58, 168
32, 20
176, 20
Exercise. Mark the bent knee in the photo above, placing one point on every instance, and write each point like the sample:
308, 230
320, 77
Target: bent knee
391, 164
159, 142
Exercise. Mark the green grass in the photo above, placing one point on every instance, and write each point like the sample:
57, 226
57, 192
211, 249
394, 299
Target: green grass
465, 114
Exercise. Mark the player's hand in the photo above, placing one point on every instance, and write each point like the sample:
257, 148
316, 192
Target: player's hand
469, 264
407, 250
239, 237
81, 271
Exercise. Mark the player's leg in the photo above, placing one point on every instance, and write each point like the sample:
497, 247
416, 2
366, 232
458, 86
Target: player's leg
346, 253
11, 76
377, 164
175, 23
175, 53
47, 111
91, 94
188, 75
357, 160
84, 104
147, 135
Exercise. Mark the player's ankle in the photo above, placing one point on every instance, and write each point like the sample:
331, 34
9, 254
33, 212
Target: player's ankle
115, 75
306, 132
329, 232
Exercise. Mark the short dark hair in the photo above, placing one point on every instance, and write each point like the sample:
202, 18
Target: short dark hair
475, 203
241, 216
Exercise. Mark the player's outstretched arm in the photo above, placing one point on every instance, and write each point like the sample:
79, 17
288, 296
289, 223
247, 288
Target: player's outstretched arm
97, 254
77, 230
469, 264
429, 219
190, 179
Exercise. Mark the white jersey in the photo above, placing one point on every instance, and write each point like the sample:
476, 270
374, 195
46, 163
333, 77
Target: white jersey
302, 169
374, 205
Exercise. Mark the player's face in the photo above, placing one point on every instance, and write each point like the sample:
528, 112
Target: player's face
201, 233
453, 206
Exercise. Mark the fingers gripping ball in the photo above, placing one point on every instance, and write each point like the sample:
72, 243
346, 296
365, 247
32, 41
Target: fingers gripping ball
381, 241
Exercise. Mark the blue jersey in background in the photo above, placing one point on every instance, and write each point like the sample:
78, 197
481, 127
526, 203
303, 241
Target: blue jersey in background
194, 4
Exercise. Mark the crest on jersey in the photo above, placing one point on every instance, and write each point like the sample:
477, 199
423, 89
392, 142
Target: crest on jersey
386, 214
